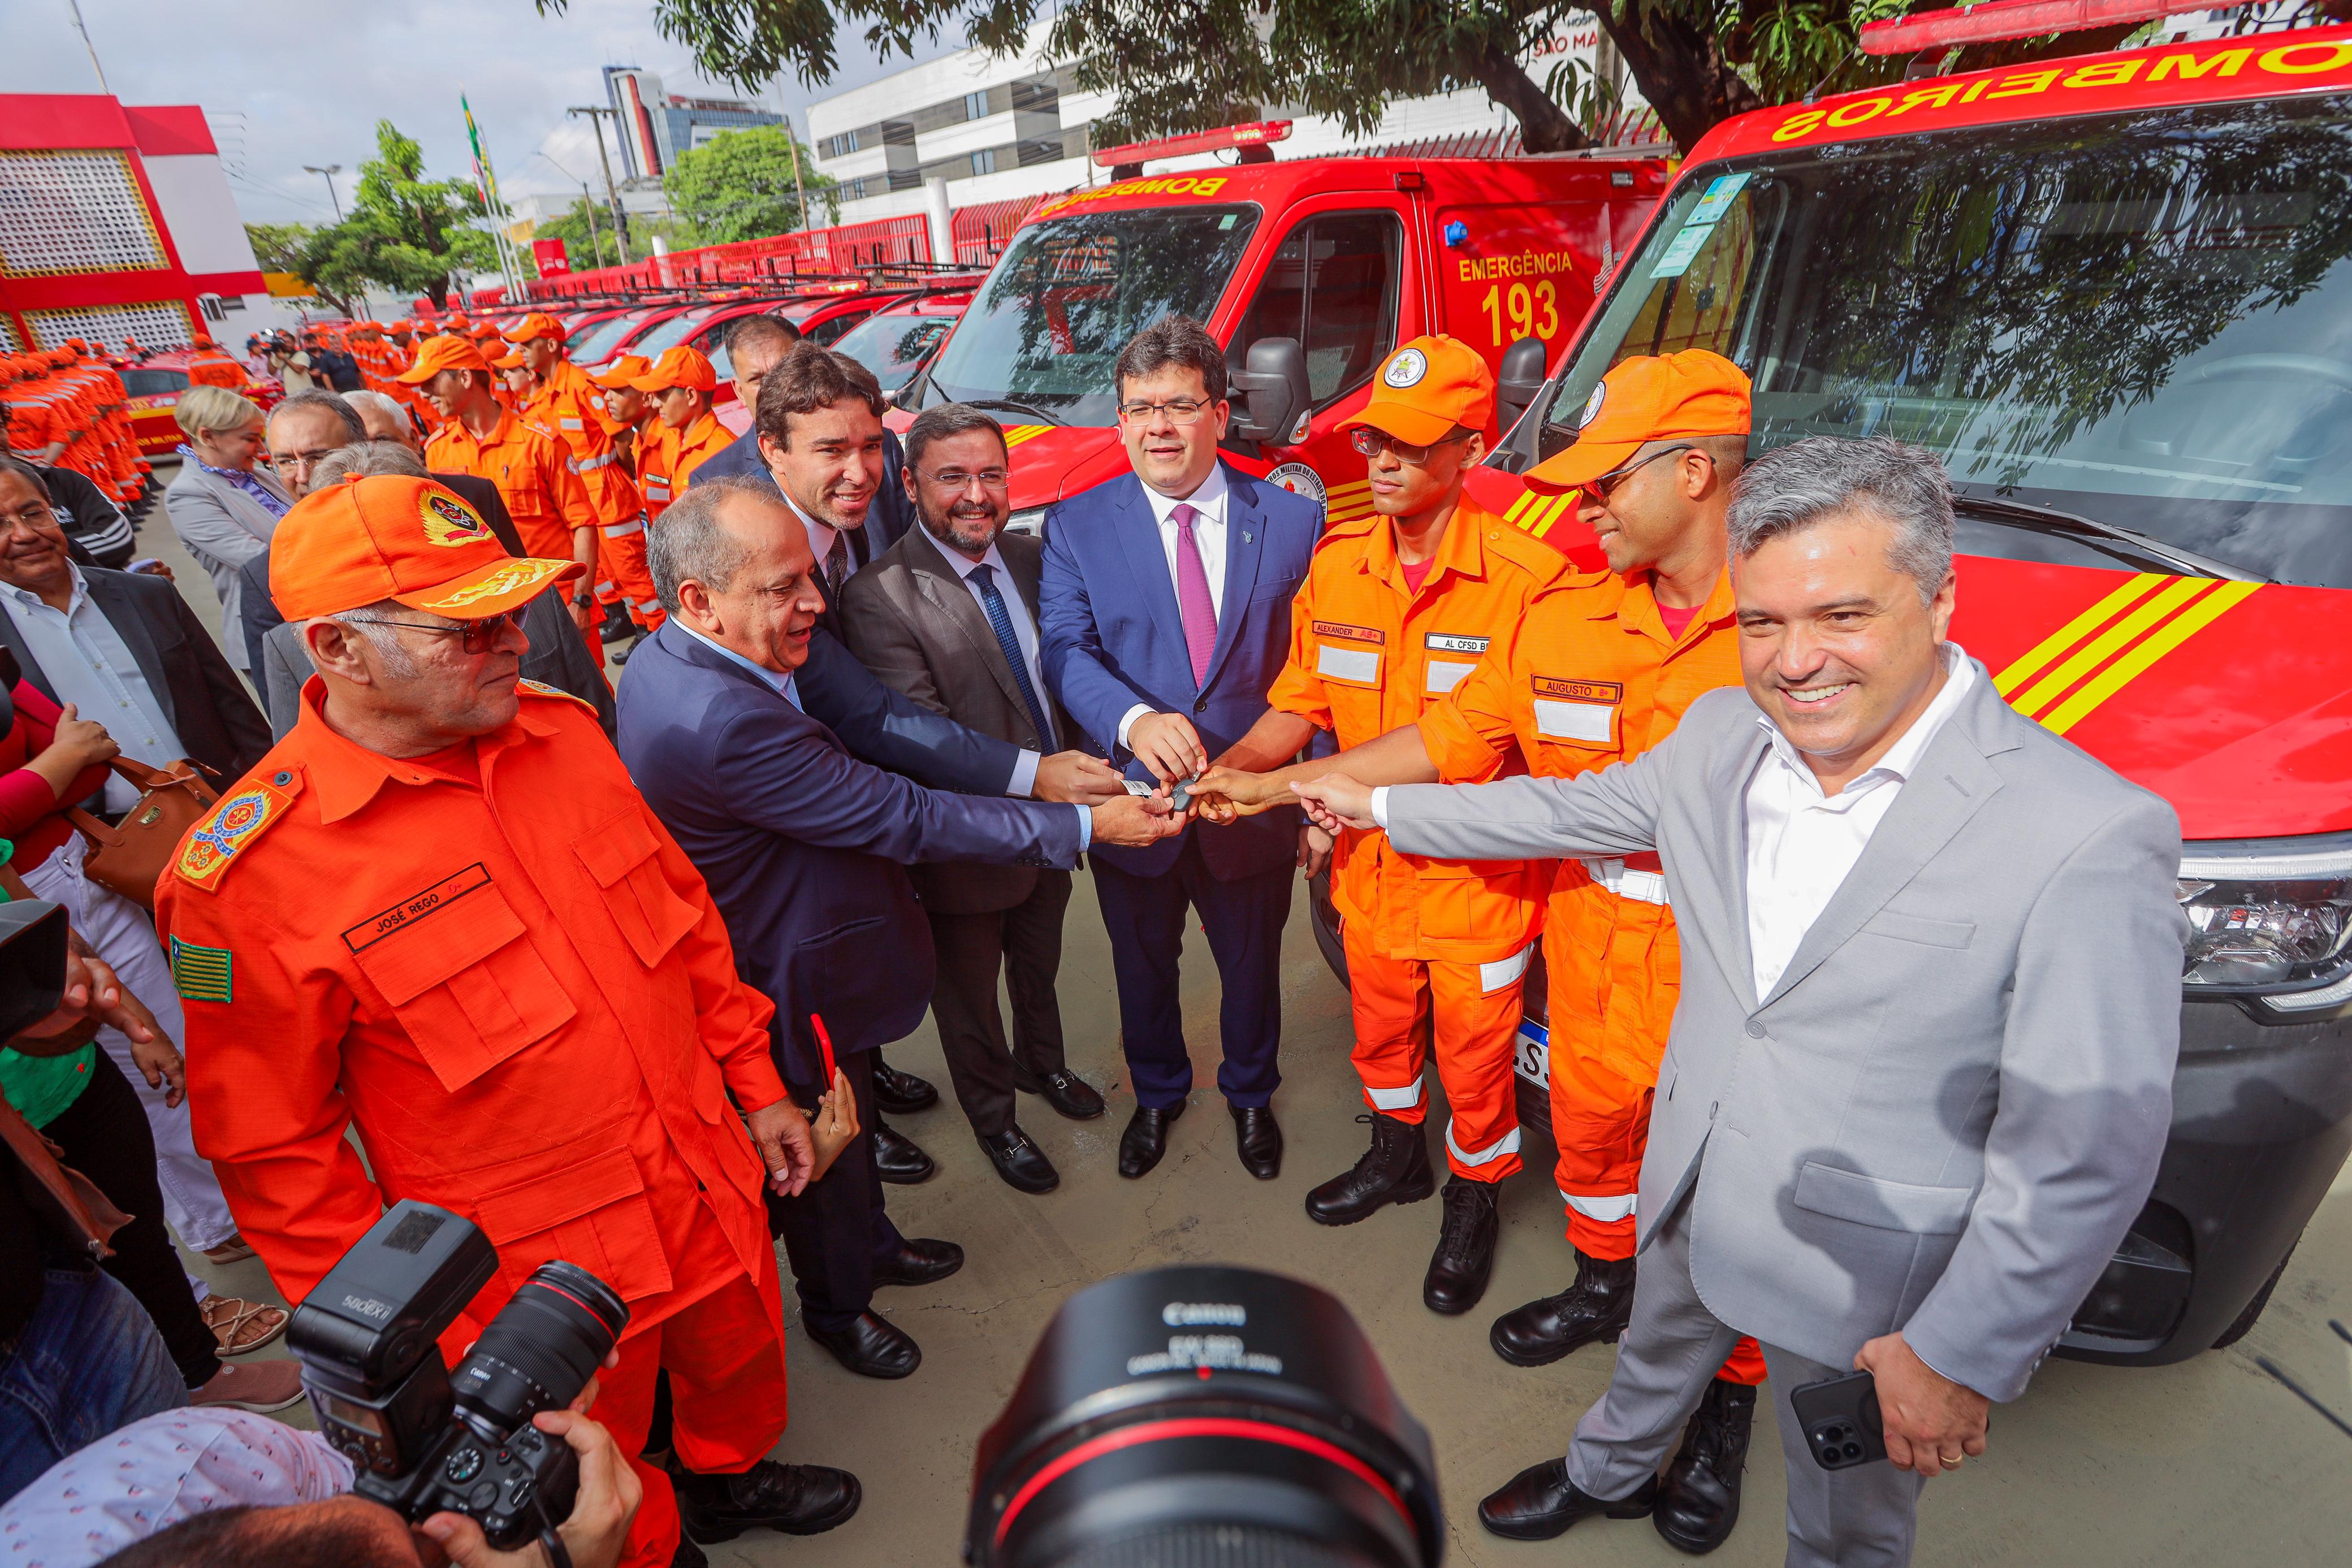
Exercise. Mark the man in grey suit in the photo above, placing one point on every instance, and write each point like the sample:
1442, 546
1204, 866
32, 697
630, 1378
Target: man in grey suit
1920, 1075
949, 616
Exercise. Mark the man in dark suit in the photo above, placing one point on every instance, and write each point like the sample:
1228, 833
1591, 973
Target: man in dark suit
949, 615
1167, 616
806, 849
123, 647
822, 446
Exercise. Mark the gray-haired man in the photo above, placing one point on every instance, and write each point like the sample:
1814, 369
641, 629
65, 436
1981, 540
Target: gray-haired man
1929, 1013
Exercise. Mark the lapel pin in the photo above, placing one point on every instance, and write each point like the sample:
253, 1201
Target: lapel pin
1247, 537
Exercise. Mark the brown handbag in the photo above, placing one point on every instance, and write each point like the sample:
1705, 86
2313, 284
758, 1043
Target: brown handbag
131, 856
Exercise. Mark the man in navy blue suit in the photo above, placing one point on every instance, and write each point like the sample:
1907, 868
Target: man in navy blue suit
817, 440
806, 849
1166, 602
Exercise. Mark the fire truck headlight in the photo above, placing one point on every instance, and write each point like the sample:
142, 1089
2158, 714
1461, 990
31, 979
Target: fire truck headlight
1031, 521
2275, 921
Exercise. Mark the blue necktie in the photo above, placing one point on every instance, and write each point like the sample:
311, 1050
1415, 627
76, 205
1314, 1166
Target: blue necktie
1001, 619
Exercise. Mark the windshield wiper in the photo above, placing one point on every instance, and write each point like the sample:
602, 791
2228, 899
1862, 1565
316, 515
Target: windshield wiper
1029, 409
2126, 544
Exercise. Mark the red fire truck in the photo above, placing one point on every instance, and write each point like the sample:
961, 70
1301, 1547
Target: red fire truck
2114, 293
1310, 270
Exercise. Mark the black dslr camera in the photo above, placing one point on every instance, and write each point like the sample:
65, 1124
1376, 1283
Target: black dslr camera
420, 1438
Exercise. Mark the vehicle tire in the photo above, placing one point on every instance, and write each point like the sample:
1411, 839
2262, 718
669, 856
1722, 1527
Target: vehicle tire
2246, 1319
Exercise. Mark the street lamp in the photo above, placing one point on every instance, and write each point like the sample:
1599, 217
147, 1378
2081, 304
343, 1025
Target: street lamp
329, 174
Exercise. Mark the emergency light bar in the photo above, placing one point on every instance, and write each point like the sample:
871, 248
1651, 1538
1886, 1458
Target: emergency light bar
1253, 136
2006, 19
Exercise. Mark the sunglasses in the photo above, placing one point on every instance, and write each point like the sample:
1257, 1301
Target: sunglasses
1606, 485
1370, 443
475, 636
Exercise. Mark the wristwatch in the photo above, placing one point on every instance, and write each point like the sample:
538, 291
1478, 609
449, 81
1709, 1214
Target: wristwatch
582, 600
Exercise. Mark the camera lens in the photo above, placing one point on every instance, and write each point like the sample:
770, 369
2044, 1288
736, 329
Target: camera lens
540, 1351
1207, 1416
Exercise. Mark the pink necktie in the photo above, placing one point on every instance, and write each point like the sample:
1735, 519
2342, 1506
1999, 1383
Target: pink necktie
1192, 599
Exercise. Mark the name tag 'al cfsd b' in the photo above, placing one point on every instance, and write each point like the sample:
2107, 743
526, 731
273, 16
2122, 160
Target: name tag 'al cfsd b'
1583, 712
1444, 674
1360, 666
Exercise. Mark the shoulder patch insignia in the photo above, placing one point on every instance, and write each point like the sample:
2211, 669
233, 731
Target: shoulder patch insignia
542, 689
201, 974
234, 826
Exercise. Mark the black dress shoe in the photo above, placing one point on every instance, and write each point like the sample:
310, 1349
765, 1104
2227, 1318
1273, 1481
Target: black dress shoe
1541, 1502
919, 1260
1145, 1139
896, 1160
1464, 1259
1065, 1092
797, 1500
1258, 1137
1395, 1169
1699, 1500
901, 1094
1596, 1307
870, 1348
1022, 1163
688, 1555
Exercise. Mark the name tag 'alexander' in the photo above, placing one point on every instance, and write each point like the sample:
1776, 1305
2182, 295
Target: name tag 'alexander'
1360, 666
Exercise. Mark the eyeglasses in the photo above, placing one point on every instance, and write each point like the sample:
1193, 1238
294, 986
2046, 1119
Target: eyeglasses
475, 636
1371, 443
288, 462
960, 480
1606, 485
1180, 410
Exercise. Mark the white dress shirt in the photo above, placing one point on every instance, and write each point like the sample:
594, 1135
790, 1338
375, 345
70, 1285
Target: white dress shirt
1207, 536
91, 667
820, 535
1024, 635
147, 1477
1802, 844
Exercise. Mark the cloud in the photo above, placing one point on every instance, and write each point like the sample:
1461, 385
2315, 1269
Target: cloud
292, 84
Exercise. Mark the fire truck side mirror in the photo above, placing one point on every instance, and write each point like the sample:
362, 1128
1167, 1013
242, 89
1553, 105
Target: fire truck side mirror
1520, 381
1275, 385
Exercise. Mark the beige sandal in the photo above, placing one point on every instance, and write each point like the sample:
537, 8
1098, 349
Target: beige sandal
242, 1327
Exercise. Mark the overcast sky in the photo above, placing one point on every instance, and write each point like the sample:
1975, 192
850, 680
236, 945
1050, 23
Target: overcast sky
293, 84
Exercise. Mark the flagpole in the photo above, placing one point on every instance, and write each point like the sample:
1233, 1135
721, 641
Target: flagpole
486, 181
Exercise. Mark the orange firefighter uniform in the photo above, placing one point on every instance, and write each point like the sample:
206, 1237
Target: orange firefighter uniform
496, 966
667, 467
1436, 949
570, 403
1589, 676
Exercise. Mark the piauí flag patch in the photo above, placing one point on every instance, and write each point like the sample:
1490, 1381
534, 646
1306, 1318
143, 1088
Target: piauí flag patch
202, 974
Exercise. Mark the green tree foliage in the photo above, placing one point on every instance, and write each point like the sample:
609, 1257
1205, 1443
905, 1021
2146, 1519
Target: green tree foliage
586, 232
739, 185
1187, 64
404, 232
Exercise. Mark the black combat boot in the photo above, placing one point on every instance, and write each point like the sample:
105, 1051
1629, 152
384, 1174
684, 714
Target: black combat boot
1465, 1258
1395, 1169
1596, 1307
1699, 1503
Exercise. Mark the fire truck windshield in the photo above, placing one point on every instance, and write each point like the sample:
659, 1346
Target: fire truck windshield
1045, 328
2144, 319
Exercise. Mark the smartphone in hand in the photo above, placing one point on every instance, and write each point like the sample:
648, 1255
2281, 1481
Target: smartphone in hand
1839, 1419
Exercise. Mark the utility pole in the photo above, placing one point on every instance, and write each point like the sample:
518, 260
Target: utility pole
83, 29
792, 141
588, 206
597, 114
329, 174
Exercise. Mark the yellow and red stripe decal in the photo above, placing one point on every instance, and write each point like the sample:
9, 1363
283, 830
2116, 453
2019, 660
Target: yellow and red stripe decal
1535, 514
1015, 434
2064, 678
1347, 503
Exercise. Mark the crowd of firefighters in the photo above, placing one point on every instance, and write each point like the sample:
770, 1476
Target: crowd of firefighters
68, 408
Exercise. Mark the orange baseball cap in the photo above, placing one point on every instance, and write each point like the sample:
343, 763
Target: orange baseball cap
1646, 399
1428, 387
399, 537
509, 360
538, 324
443, 353
679, 367
622, 373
